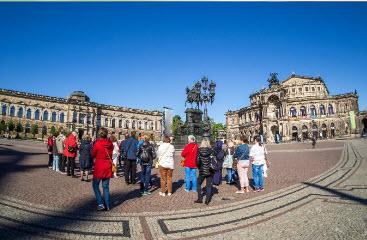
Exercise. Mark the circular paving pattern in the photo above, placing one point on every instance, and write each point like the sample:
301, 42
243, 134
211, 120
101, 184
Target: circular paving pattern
36, 201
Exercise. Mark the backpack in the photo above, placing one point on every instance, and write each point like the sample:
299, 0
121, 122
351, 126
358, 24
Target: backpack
145, 155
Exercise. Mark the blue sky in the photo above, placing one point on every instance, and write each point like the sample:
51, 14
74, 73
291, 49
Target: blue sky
143, 55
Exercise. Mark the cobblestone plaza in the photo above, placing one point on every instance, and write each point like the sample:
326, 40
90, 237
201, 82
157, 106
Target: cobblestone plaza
318, 194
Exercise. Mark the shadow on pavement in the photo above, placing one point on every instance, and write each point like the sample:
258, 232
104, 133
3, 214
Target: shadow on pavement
340, 194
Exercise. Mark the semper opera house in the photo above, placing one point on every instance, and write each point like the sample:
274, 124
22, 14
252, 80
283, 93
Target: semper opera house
296, 109
77, 113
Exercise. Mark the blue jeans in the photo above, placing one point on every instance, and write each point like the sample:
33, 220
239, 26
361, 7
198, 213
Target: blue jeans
230, 175
190, 174
145, 176
257, 174
106, 191
55, 164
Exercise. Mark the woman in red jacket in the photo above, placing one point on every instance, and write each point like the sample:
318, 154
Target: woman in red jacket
189, 153
70, 151
102, 153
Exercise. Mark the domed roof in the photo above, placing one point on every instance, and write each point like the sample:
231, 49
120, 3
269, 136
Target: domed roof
79, 95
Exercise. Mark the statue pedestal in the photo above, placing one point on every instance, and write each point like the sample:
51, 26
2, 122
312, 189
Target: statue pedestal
194, 122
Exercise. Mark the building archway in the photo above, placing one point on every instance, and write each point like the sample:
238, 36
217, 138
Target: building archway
80, 133
304, 132
332, 130
294, 133
364, 122
315, 131
324, 130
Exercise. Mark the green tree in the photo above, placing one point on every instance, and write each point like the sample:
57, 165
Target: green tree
44, 131
11, 126
53, 131
176, 124
19, 127
2, 126
34, 130
215, 129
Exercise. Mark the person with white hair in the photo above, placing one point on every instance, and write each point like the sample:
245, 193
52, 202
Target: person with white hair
189, 154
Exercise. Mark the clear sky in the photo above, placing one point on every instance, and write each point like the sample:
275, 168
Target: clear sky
143, 55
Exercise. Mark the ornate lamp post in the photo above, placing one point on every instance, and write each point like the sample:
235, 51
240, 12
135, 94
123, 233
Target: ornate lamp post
207, 95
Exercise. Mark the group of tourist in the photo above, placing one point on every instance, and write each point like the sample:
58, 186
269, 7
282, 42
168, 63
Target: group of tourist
201, 162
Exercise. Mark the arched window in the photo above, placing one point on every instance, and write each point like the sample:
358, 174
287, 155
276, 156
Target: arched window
106, 122
146, 125
303, 111
29, 113
12, 111
113, 123
53, 117
45, 115
322, 109
81, 118
75, 117
62, 117
313, 111
20, 112
257, 118
133, 124
4, 109
37, 115
151, 126
127, 124
330, 109
120, 123
27, 127
139, 124
293, 112
89, 118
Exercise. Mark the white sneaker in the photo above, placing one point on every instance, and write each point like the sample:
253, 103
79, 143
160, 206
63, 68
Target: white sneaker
162, 194
240, 192
169, 194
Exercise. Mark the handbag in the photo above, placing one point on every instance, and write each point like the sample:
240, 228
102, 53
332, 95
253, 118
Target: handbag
71, 149
113, 166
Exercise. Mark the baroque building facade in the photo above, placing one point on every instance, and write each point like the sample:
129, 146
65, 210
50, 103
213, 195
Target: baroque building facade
296, 109
76, 112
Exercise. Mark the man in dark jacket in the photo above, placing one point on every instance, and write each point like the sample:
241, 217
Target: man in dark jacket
129, 148
146, 154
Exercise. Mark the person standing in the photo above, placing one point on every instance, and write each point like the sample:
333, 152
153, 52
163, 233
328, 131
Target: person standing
189, 153
123, 156
219, 156
115, 153
85, 157
242, 155
55, 153
60, 148
129, 148
49, 151
228, 162
165, 155
204, 162
102, 152
146, 154
258, 159
70, 152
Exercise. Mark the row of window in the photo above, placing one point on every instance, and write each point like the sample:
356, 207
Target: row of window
306, 89
20, 114
37, 114
303, 111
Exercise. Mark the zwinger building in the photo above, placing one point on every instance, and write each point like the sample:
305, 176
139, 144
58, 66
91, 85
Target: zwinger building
296, 109
75, 112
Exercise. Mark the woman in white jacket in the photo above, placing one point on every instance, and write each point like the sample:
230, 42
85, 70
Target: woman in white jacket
115, 153
166, 163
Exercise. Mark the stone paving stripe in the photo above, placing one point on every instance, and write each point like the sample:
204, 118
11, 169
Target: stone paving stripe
145, 227
165, 229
